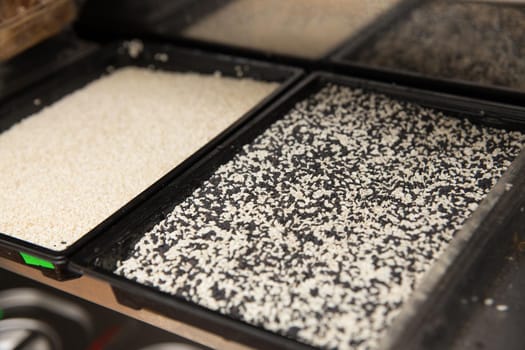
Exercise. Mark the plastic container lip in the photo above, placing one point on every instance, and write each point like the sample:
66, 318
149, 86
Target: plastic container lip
90, 259
90, 67
40, 61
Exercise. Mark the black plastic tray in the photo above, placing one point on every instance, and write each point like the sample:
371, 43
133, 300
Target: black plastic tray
78, 74
170, 29
342, 61
99, 257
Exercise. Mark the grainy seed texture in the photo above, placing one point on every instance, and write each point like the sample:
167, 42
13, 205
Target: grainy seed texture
68, 167
306, 28
321, 228
475, 42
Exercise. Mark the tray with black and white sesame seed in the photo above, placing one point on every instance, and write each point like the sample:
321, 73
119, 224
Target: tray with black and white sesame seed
473, 48
104, 132
322, 223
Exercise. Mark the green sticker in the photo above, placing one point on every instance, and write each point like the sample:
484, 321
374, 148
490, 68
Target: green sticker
1, 314
34, 261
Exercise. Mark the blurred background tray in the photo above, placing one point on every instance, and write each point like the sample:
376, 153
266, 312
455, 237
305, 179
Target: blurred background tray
470, 48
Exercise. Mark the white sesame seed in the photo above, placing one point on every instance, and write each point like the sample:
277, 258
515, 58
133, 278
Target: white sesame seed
68, 167
502, 308
134, 47
161, 57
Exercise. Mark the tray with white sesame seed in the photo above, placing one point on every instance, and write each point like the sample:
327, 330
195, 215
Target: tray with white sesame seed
325, 221
83, 146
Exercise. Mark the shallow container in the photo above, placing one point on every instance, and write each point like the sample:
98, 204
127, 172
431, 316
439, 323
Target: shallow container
99, 257
172, 20
54, 264
345, 60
